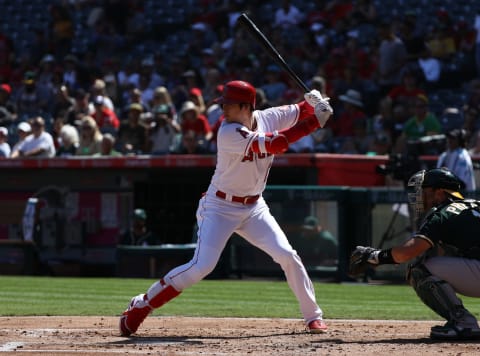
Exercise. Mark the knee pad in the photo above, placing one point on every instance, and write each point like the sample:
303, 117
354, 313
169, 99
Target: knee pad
437, 294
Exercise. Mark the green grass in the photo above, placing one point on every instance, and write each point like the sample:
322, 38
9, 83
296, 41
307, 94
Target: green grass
215, 298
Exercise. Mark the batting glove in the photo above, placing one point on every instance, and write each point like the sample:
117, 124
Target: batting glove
321, 106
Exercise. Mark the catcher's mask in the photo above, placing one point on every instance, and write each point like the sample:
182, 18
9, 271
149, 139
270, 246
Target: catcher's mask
438, 178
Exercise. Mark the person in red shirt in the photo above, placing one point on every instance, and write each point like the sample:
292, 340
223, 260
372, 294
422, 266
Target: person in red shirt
106, 118
405, 93
343, 125
192, 120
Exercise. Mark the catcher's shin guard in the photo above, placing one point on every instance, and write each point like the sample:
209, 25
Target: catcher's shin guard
142, 305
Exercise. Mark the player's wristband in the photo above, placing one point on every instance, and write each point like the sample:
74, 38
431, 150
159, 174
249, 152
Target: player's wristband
385, 257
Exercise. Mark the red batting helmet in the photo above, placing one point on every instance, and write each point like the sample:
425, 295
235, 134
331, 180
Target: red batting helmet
237, 92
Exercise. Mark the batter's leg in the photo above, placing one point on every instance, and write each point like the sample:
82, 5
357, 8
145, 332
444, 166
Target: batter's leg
263, 231
216, 225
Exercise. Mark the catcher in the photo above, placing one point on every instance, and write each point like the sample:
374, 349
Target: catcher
446, 249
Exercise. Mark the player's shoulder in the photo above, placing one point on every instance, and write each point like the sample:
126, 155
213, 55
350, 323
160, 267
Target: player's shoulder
233, 129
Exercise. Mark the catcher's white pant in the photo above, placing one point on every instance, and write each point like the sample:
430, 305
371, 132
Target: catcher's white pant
217, 220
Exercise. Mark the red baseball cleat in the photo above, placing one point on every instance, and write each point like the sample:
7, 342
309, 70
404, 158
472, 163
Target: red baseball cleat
137, 311
317, 327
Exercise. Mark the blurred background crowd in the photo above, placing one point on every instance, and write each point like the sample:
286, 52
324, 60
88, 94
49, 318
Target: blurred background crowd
131, 77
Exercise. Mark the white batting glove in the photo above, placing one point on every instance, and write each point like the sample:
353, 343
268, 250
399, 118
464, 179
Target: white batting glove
321, 106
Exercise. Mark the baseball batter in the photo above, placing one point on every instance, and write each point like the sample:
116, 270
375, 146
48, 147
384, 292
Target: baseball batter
247, 141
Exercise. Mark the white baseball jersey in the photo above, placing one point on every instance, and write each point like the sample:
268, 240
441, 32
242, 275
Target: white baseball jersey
239, 171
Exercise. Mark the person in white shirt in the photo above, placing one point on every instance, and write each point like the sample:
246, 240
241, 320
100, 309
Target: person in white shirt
457, 159
37, 145
4, 146
287, 16
247, 142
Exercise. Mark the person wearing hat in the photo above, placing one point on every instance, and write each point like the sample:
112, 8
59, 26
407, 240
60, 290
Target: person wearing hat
4, 146
163, 131
106, 118
23, 130
457, 159
248, 140
444, 250
132, 134
192, 120
315, 243
37, 145
138, 234
343, 126
32, 98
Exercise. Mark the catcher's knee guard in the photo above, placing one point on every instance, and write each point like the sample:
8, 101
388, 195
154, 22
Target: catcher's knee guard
437, 294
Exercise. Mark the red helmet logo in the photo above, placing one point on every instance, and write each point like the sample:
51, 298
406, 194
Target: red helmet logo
237, 92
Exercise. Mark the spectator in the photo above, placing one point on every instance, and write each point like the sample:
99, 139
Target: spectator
423, 123
305, 145
361, 140
99, 89
69, 141
135, 97
457, 159
73, 76
107, 147
62, 101
23, 130
132, 134
37, 145
287, 16
431, 68
4, 146
343, 126
106, 119
195, 95
61, 28
381, 145
163, 131
139, 234
392, 56
161, 96
274, 87
7, 107
474, 150
32, 99
90, 137
406, 92
191, 144
79, 109
191, 119
148, 70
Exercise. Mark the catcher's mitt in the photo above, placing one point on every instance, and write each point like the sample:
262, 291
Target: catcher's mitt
361, 259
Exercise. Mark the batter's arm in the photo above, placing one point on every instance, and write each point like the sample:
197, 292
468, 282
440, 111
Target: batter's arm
278, 141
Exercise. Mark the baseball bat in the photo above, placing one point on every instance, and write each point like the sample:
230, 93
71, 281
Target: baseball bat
263, 41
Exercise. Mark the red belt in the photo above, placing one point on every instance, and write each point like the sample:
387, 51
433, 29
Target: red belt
250, 199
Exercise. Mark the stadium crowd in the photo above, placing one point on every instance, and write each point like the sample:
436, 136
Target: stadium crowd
122, 77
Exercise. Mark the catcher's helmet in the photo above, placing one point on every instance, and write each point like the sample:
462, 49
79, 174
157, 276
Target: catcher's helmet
439, 178
442, 178
237, 92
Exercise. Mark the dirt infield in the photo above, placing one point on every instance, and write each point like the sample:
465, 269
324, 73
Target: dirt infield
175, 336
